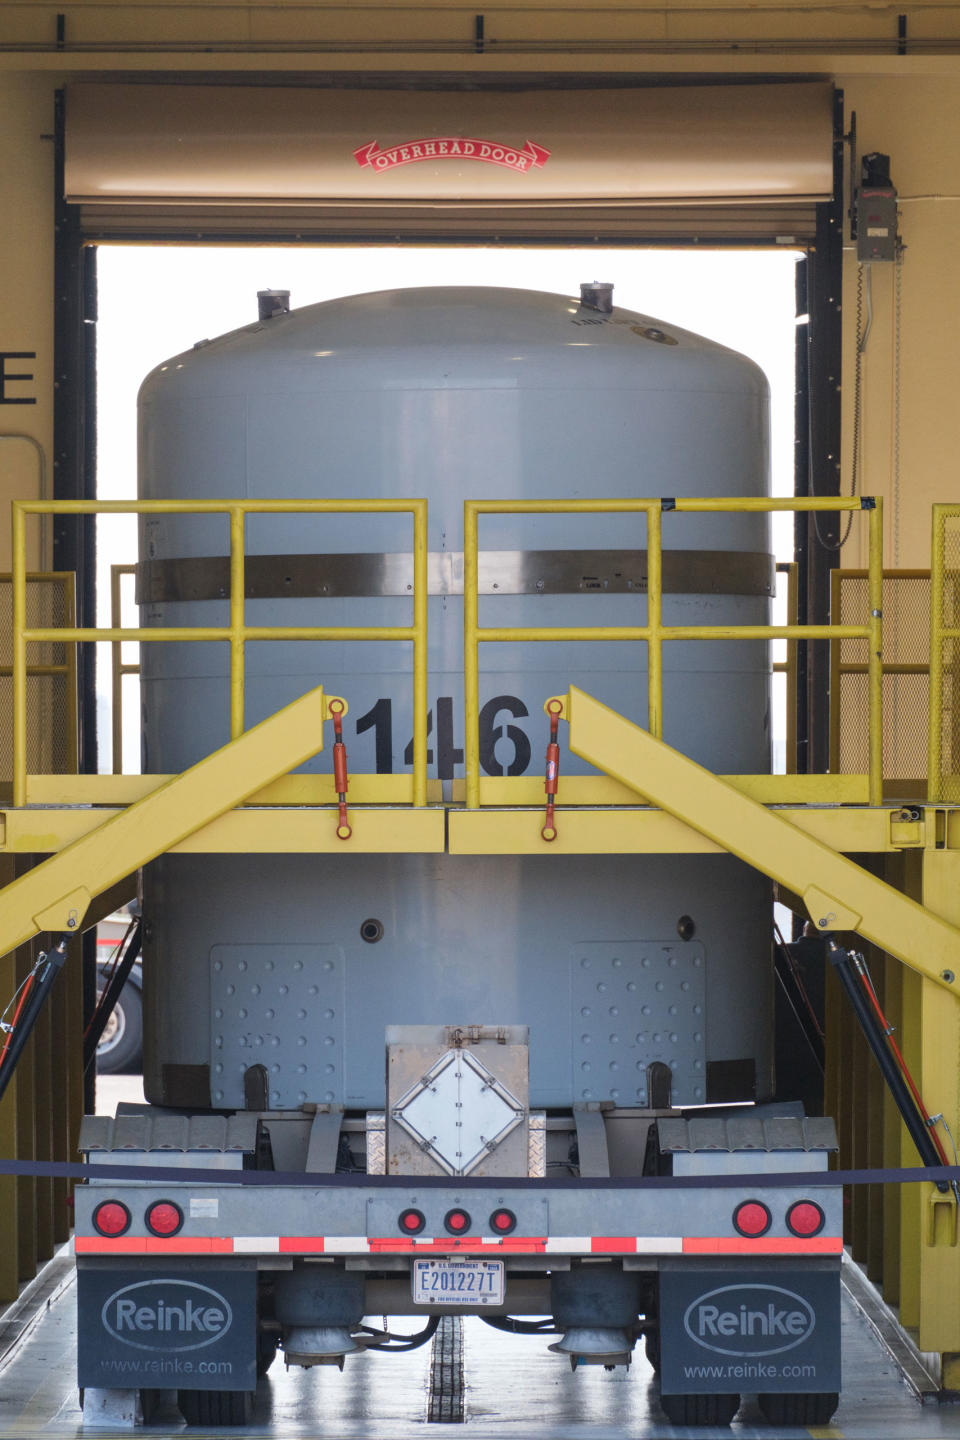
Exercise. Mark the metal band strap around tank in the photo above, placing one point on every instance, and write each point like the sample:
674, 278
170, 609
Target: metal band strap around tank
502, 572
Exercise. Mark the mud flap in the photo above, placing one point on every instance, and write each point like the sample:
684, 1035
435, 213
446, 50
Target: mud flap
749, 1326
167, 1326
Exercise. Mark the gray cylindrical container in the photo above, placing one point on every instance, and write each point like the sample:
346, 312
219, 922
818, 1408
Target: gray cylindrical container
453, 394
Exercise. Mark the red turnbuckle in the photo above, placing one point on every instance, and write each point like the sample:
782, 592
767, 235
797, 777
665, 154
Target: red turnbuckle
340, 780
549, 830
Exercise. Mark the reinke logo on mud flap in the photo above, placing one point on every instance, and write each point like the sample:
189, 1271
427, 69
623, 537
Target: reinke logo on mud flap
749, 1320
167, 1315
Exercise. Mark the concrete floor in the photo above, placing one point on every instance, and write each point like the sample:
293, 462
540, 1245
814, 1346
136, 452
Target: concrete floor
514, 1387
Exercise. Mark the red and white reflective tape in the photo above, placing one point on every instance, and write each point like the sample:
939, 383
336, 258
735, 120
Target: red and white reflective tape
468, 1245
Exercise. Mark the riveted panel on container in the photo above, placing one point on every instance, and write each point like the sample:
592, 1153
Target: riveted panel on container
280, 1006
635, 1003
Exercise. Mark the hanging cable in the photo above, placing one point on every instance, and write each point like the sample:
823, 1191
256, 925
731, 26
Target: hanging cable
18, 999
809, 1023
863, 328
797, 975
547, 1326
110, 966
386, 1344
868, 299
120, 963
953, 1144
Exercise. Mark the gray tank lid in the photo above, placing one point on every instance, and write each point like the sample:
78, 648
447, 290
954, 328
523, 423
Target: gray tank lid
597, 295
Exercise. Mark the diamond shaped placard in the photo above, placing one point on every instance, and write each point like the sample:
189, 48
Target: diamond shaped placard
458, 1112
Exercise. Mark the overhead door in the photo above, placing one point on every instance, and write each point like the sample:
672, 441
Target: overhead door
706, 162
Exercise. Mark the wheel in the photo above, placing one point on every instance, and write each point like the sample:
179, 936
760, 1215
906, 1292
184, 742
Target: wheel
267, 1343
651, 1343
216, 1407
798, 1409
700, 1409
121, 1044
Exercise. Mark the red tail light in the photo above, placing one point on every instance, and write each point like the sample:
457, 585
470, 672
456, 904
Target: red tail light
752, 1219
502, 1222
805, 1219
164, 1218
457, 1222
111, 1218
412, 1222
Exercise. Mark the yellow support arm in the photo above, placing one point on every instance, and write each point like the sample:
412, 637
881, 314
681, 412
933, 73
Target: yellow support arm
55, 895
839, 894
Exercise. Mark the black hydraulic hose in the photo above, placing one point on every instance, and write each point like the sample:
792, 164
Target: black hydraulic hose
875, 1038
48, 967
520, 1327
110, 996
408, 1342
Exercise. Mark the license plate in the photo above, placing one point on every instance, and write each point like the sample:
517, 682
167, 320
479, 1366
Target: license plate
458, 1282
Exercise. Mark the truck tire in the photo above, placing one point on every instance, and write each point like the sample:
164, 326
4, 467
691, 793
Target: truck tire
700, 1409
121, 1045
216, 1407
651, 1344
798, 1409
267, 1344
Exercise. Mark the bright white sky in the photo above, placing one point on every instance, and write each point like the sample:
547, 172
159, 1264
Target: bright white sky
157, 301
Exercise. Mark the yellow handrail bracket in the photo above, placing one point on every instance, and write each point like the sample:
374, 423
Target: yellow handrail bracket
55, 894
839, 894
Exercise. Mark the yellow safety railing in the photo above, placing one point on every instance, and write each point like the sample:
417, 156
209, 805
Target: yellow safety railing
789, 667
943, 769
66, 582
238, 632
654, 632
119, 668
905, 600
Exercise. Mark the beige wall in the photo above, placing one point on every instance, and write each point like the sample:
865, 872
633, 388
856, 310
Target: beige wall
26, 289
909, 107
917, 122
449, 23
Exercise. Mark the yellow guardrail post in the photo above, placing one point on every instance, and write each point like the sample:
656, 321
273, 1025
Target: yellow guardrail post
788, 667
419, 652
935, 789
655, 619
18, 571
116, 671
70, 666
793, 609
875, 651
471, 656
836, 670
237, 614
118, 668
